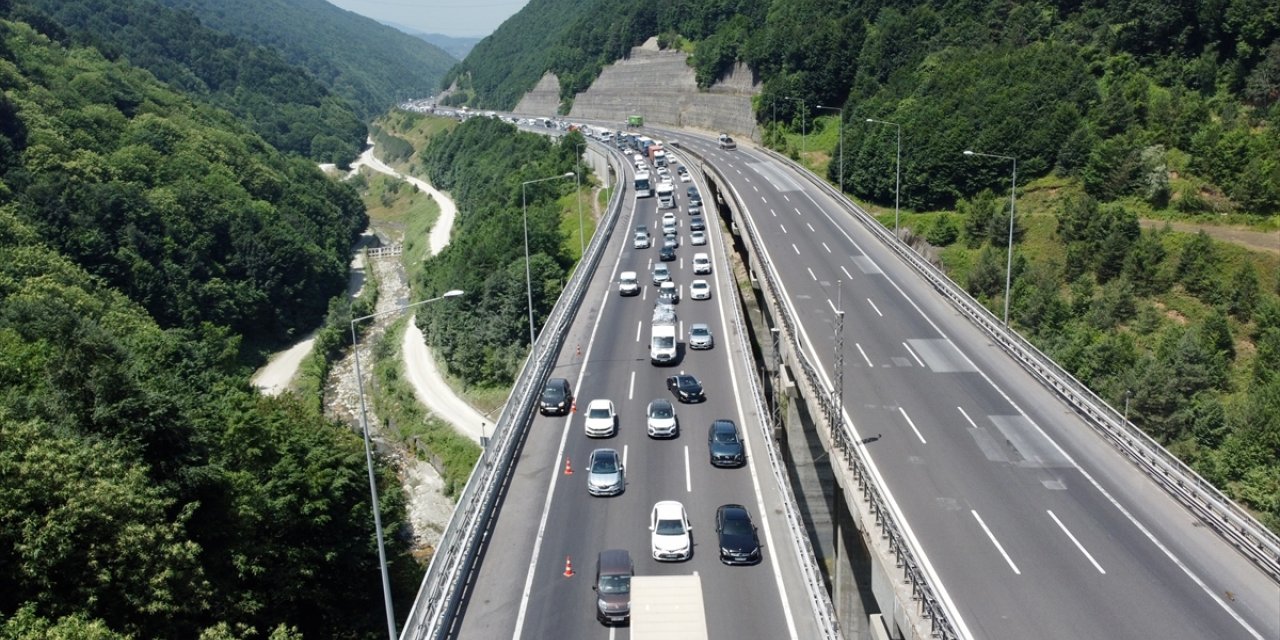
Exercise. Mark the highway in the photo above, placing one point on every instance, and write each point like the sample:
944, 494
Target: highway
547, 517
1031, 525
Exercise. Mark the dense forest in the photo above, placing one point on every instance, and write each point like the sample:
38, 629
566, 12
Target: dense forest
147, 491
290, 109
372, 65
484, 336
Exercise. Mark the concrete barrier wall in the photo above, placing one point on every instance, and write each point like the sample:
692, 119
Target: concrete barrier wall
660, 86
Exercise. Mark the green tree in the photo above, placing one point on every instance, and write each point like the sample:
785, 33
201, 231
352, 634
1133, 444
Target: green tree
1197, 266
986, 277
1243, 296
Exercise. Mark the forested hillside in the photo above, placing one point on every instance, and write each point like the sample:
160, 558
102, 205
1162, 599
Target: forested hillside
370, 64
290, 109
147, 491
484, 336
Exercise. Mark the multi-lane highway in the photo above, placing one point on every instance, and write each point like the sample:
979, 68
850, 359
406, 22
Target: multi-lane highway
548, 518
1031, 525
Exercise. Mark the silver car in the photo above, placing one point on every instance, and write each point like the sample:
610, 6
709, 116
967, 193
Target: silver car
700, 337
662, 420
605, 473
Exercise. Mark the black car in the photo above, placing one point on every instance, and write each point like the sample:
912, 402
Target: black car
697, 224
557, 398
686, 388
724, 444
739, 543
667, 254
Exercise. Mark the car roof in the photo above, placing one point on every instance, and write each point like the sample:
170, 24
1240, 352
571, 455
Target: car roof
604, 453
659, 401
601, 402
724, 425
668, 509
700, 325
700, 283
734, 511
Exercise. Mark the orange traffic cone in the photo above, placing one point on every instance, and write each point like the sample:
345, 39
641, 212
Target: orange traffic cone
579, 350
568, 567
573, 407
568, 468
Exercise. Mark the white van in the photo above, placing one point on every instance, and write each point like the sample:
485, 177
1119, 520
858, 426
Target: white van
628, 284
701, 264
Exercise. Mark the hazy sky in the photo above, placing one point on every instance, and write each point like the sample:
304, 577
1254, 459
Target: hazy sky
450, 17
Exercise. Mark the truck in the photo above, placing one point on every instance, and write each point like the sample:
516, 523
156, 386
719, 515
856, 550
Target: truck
635, 121
653, 151
666, 195
644, 188
662, 335
667, 608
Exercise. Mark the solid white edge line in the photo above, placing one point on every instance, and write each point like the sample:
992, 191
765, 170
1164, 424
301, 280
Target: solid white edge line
1076, 542
966, 417
864, 354
913, 425
555, 468
995, 542
873, 306
755, 477
913, 354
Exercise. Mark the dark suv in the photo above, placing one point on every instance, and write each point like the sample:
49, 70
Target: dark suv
557, 399
613, 586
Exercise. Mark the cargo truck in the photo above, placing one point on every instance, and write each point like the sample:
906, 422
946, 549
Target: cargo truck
666, 195
662, 335
635, 121
667, 608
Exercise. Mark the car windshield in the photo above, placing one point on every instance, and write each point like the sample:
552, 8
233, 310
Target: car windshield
687, 383
615, 584
725, 435
701, 332
736, 526
551, 393
669, 528
604, 464
598, 412
663, 410
666, 342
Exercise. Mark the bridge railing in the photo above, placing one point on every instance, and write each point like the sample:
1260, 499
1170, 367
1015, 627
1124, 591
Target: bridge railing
435, 608
819, 599
1235, 525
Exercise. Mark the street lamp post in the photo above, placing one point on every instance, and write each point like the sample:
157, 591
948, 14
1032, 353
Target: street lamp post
804, 146
577, 182
368, 455
528, 275
897, 171
840, 113
1013, 190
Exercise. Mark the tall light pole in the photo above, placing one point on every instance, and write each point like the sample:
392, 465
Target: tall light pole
577, 181
368, 455
528, 275
897, 171
839, 114
804, 147
1013, 190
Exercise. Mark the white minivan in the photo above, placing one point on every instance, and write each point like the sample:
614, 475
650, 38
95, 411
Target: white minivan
701, 264
628, 284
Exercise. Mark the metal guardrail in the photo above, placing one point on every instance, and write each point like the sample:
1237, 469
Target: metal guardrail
819, 599
930, 606
436, 605
1235, 525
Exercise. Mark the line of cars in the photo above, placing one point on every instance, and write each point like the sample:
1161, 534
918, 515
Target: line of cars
669, 524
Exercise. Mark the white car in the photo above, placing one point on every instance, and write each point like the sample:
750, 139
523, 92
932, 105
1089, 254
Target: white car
698, 238
699, 290
661, 419
684, 176
671, 536
602, 421
642, 240
668, 217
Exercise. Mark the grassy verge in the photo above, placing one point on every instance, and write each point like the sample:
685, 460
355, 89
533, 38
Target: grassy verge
452, 454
